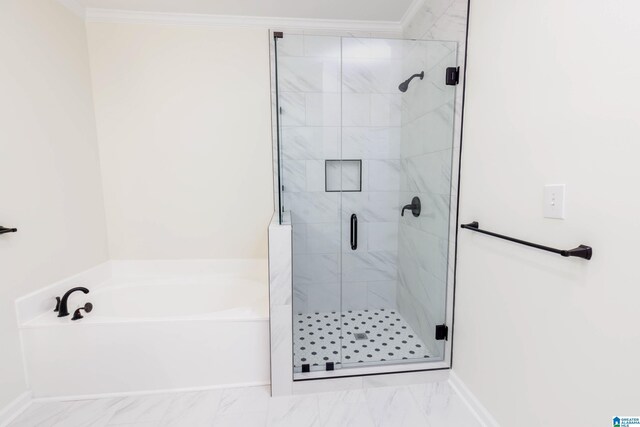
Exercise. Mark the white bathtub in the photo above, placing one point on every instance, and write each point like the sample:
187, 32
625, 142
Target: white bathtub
155, 326
207, 297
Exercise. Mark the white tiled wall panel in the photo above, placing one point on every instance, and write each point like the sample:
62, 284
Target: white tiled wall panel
431, 129
339, 100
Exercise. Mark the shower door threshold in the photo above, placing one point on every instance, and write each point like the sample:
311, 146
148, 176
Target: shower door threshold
378, 369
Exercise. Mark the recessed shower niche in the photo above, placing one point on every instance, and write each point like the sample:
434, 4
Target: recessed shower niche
362, 127
342, 175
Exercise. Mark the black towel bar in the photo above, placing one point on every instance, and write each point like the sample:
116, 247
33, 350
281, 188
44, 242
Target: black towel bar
4, 230
581, 251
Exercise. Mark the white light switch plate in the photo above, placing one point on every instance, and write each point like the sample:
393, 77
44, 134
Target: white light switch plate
554, 201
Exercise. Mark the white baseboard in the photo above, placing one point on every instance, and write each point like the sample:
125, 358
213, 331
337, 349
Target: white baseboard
65, 398
15, 408
477, 408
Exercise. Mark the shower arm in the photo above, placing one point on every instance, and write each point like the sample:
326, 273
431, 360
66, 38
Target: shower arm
405, 84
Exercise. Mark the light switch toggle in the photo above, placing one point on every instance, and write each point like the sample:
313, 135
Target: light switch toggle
554, 201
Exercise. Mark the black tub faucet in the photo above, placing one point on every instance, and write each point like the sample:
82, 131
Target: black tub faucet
62, 307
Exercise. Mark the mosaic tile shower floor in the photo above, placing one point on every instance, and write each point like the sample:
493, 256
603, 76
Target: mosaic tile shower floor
387, 337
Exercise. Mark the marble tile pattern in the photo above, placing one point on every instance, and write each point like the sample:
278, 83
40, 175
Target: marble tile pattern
309, 83
431, 130
446, 20
419, 405
339, 100
323, 337
280, 306
426, 150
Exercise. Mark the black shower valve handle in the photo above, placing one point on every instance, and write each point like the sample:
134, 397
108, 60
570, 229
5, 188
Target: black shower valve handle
415, 207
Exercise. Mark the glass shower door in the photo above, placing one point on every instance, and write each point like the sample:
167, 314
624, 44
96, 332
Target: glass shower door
365, 127
309, 75
397, 137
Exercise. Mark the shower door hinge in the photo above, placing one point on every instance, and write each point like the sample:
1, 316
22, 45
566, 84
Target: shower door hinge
278, 34
442, 332
453, 76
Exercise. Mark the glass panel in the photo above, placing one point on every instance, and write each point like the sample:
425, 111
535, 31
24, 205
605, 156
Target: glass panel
394, 282
309, 69
366, 126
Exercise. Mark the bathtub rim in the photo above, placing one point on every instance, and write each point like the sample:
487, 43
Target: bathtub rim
38, 323
32, 308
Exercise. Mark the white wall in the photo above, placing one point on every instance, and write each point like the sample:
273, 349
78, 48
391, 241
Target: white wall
184, 133
552, 97
49, 169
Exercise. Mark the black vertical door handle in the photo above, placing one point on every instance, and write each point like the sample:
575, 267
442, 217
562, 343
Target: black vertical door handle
354, 232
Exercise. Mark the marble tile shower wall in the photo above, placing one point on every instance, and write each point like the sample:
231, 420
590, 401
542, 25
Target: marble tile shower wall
431, 132
426, 149
339, 100
309, 86
371, 130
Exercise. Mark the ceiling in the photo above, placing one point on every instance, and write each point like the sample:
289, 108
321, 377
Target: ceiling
362, 10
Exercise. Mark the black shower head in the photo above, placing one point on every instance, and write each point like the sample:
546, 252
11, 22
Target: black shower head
405, 84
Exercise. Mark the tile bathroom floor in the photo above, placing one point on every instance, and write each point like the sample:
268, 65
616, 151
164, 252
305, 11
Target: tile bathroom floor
426, 405
387, 336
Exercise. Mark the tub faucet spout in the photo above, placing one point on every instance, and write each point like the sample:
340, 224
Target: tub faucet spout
63, 309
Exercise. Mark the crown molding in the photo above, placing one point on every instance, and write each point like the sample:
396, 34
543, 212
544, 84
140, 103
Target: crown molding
74, 7
411, 12
202, 20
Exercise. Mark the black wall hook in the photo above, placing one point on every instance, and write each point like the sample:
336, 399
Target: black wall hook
581, 251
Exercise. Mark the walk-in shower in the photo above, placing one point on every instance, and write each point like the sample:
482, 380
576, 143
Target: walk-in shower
371, 286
